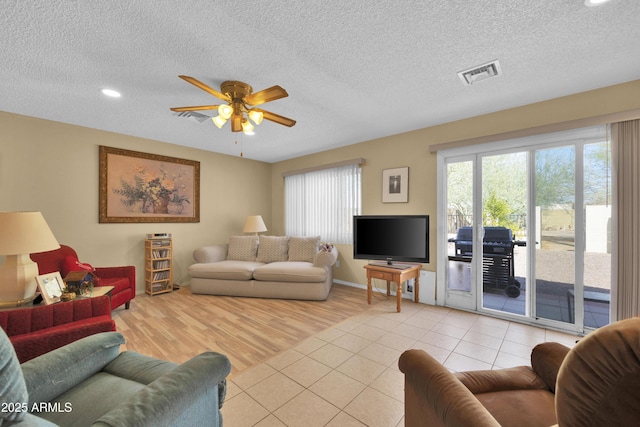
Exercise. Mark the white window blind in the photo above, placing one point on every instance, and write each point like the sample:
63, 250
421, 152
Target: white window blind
323, 203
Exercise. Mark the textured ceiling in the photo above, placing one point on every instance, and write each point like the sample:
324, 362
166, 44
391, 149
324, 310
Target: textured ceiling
354, 70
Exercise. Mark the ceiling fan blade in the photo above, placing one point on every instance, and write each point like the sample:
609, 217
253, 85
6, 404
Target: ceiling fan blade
206, 88
197, 108
236, 123
266, 95
276, 118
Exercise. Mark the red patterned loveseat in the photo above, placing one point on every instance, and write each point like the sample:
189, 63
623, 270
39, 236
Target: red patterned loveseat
34, 331
64, 260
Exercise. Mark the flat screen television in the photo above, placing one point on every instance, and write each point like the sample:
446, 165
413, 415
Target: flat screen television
391, 238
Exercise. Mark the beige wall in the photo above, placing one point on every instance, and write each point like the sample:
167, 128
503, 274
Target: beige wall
53, 167
412, 149
408, 149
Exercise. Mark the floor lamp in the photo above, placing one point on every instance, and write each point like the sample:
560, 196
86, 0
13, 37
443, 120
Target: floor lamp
254, 224
21, 234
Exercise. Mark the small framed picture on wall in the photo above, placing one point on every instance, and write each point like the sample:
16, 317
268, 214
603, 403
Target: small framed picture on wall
395, 185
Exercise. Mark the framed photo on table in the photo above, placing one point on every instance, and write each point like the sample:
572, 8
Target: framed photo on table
395, 185
50, 286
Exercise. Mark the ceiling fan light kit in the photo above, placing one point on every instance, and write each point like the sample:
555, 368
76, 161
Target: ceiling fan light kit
247, 127
240, 100
225, 111
219, 121
256, 116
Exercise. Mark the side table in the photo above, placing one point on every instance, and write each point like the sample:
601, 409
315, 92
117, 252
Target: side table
98, 291
398, 273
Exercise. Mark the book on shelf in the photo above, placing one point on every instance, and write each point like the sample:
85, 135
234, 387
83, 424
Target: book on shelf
160, 286
161, 264
161, 275
160, 253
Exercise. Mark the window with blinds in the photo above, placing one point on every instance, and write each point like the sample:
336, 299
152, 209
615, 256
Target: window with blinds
323, 203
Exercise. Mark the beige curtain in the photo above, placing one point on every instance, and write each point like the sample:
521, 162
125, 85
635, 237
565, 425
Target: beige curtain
625, 137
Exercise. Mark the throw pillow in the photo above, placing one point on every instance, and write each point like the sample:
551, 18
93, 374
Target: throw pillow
13, 391
242, 248
273, 249
303, 248
71, 263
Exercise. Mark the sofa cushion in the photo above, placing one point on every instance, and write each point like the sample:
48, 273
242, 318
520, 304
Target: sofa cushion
303, 248
242, 248
89, 395
227, 270
273, 249
290, 271
34, 344
520, 407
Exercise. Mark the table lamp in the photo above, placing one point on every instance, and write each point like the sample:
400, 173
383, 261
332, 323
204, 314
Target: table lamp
21, 234
254, 224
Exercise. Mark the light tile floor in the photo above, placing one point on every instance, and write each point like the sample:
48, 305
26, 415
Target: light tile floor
348, 375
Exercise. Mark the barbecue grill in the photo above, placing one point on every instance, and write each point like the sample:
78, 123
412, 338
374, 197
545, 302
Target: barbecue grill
497, 257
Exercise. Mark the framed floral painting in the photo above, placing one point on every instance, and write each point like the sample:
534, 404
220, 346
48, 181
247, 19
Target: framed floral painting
141, 187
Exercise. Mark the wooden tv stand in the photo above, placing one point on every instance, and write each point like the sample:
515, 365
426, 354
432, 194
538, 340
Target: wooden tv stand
398, 273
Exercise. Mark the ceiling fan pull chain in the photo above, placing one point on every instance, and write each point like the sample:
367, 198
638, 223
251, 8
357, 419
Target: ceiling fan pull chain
241, 149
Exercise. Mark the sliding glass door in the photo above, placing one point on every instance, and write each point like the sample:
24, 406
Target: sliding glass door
555, 230
460, 281
527, 231
504, 221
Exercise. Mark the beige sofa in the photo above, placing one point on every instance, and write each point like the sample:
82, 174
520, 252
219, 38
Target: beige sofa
265, 267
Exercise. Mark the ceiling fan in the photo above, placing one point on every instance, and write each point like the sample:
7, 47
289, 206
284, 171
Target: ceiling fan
240, 100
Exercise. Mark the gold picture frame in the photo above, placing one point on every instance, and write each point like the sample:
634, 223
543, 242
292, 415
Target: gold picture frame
141, 187
395, 185
51, 287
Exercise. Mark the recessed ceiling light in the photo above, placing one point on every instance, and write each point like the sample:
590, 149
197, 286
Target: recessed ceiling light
110, 92
594, 2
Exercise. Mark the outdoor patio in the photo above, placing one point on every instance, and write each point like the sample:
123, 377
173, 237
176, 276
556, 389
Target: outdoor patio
553, 302
554, 291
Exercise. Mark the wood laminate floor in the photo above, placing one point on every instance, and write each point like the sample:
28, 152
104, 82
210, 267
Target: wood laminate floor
179, 325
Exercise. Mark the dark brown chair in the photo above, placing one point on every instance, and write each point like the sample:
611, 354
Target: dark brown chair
594, 384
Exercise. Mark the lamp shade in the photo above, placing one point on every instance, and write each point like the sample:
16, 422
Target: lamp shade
25, 233
247, 127
254, 224
225, 111
21, 234
219, 121
256, 116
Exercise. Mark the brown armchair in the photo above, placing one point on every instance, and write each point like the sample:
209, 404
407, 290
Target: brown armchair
596, 383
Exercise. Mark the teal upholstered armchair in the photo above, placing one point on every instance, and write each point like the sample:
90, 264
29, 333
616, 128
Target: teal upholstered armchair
89, 382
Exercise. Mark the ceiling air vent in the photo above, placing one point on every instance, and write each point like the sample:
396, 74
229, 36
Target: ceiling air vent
481, 72
192, 115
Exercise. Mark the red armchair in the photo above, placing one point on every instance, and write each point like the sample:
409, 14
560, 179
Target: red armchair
38, 330
123, 279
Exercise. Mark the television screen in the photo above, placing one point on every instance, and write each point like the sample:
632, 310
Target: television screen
391, 238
